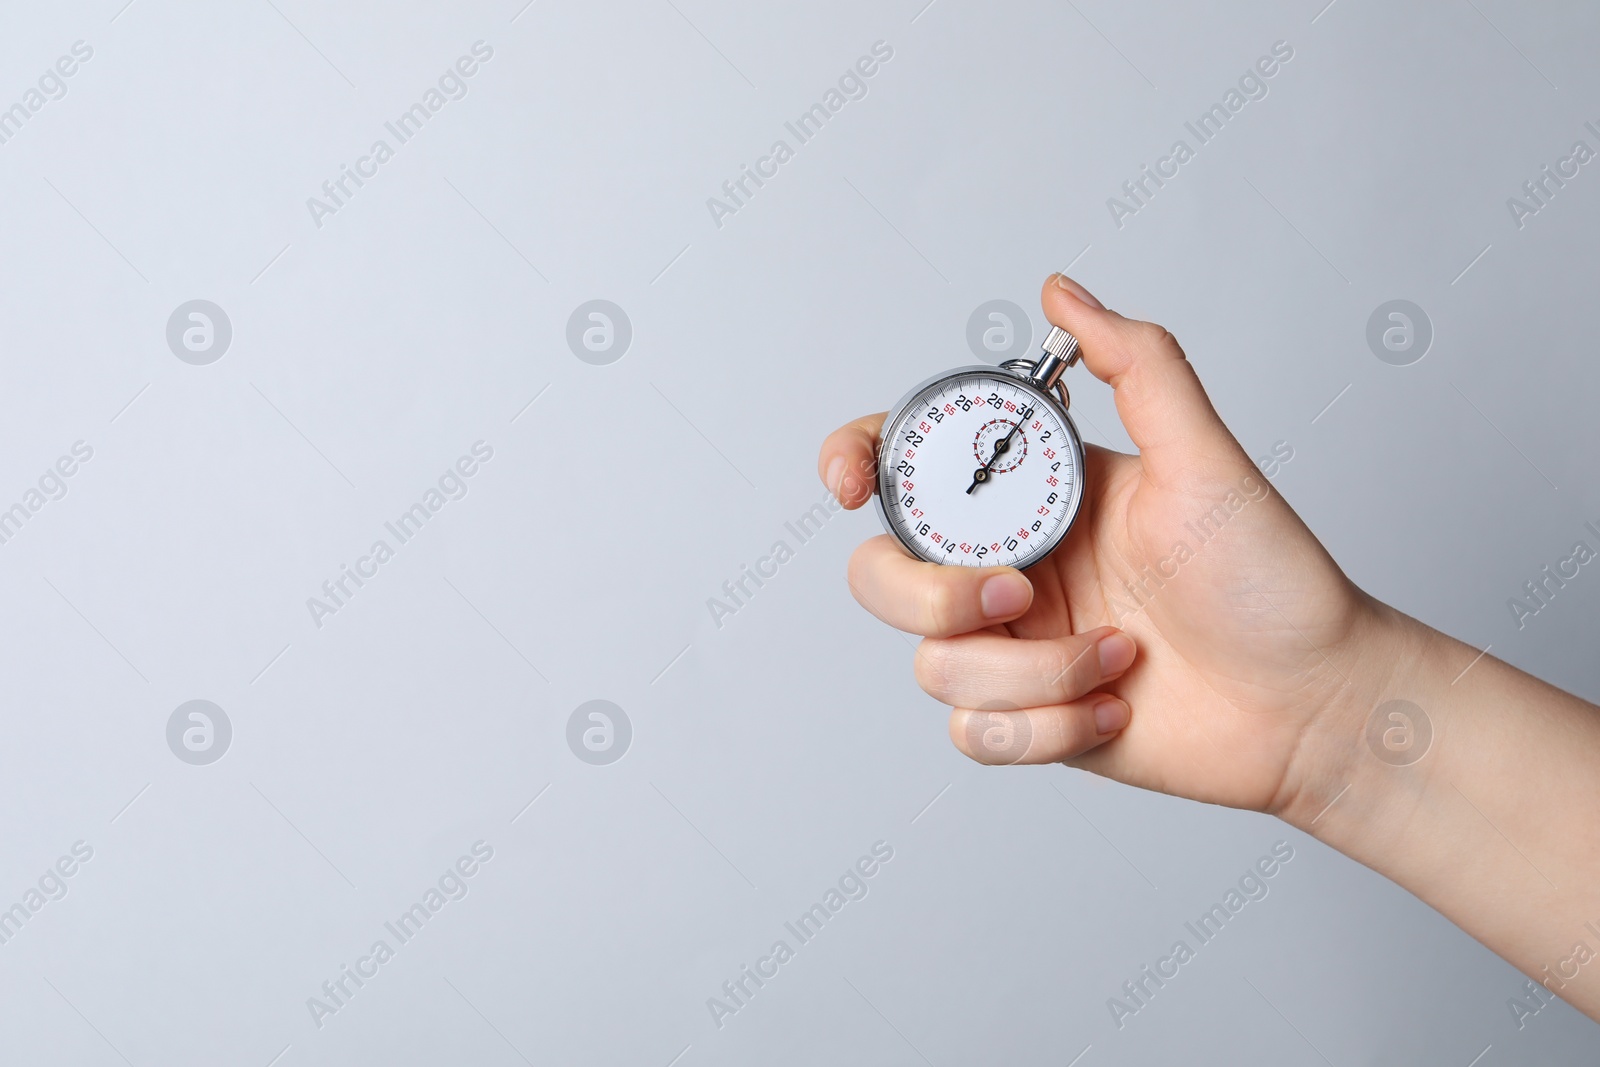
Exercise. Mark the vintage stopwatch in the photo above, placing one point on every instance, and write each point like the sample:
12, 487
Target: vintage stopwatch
981, 466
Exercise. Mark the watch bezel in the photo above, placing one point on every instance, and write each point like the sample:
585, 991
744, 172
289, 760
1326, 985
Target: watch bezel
891, 428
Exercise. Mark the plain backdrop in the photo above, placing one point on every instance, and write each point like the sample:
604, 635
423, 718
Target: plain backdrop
376, 340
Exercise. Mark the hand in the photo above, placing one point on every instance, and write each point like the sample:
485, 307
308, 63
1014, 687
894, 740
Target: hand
1253, 670
1245, 631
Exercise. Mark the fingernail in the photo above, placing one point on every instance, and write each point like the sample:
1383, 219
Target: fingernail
1116, 654
1064, 282
1110, 715
835, 477
1005, 595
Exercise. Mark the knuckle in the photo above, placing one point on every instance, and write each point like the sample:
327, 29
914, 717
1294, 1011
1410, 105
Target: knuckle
1073, 669
992, 738
940, 611
958, 731
932, 667
859, 479
1066, 734
852, 575
1156, 336
858, 576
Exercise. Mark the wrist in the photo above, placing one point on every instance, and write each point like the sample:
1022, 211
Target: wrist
1372, 734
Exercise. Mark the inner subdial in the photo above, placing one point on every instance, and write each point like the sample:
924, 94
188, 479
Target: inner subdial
992, 433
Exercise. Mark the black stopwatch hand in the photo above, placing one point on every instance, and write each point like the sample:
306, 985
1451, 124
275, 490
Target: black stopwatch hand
982, 473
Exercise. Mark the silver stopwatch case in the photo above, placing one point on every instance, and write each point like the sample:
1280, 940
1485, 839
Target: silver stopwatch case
1041, 381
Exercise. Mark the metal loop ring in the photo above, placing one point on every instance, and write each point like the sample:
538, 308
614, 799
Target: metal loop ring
1026, 367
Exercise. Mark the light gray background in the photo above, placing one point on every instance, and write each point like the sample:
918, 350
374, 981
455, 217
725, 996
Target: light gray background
770, 753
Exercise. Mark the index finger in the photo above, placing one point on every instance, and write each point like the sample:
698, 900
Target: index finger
848, 462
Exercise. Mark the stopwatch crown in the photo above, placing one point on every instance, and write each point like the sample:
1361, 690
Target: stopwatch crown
1062, 345
1060, 352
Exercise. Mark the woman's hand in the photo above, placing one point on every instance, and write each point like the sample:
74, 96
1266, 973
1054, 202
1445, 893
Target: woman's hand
1252, 645
1263, 678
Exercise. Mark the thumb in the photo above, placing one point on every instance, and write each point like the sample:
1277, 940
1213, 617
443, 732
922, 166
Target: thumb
1159, 397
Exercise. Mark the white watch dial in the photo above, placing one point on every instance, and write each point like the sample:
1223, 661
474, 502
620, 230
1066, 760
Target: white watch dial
978, 468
